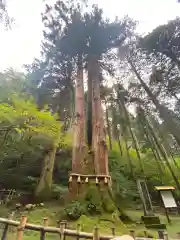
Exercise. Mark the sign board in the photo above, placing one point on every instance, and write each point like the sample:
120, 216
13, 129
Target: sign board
168, 199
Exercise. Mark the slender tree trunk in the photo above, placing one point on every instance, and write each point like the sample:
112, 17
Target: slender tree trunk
43, 189
167, 147
132, 134
169, 118
163, 153
78, 154
108, 126
149, 137
119, 143
128, 156
155, 156
115, 130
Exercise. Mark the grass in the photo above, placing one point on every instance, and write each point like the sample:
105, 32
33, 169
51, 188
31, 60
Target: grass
172, 228
104, 222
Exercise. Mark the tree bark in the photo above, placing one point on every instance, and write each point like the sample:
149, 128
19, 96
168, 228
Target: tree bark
78, 154
155, 156
108, 126
121, 104
115, 130
89, 103
43, 189
98, 137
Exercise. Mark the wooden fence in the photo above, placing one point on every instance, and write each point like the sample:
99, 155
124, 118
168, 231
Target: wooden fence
61, 230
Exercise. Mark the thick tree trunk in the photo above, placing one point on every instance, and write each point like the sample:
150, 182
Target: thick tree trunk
99, 141
89, 104
108, 126
169, 118
78, 154
43, 189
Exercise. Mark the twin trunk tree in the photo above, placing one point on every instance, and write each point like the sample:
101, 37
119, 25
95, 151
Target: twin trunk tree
90, 155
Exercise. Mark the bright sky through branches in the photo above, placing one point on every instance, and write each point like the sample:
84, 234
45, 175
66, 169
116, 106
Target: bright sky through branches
22, 43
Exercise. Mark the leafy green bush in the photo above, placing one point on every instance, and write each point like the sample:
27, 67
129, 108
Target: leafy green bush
92, 208
74, 210
93, 200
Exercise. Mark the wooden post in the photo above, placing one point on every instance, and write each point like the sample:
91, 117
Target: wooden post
20, 228
4, 233
62, 226
178, 235
166, 236
45, 222
96, 233
132, 233
42, 232
161, 234
78, 230
113, 231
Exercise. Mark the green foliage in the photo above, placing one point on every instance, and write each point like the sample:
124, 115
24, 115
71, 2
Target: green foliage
93, 200
59, 192
74, 210
147, 234
108, 203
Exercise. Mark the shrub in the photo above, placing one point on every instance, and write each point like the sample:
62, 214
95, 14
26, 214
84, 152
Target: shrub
92, 208
93, 200
74, 210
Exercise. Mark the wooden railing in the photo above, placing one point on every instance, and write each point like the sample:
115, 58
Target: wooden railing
61, 230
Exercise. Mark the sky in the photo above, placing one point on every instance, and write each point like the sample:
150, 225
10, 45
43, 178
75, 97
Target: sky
21, 44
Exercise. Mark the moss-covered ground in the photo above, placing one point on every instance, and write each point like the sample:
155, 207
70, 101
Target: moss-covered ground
104, 222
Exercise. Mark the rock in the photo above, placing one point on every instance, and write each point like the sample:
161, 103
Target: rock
28, 207
18, 205
123, 237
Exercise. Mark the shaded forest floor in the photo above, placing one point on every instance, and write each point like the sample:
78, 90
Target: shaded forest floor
52, 211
